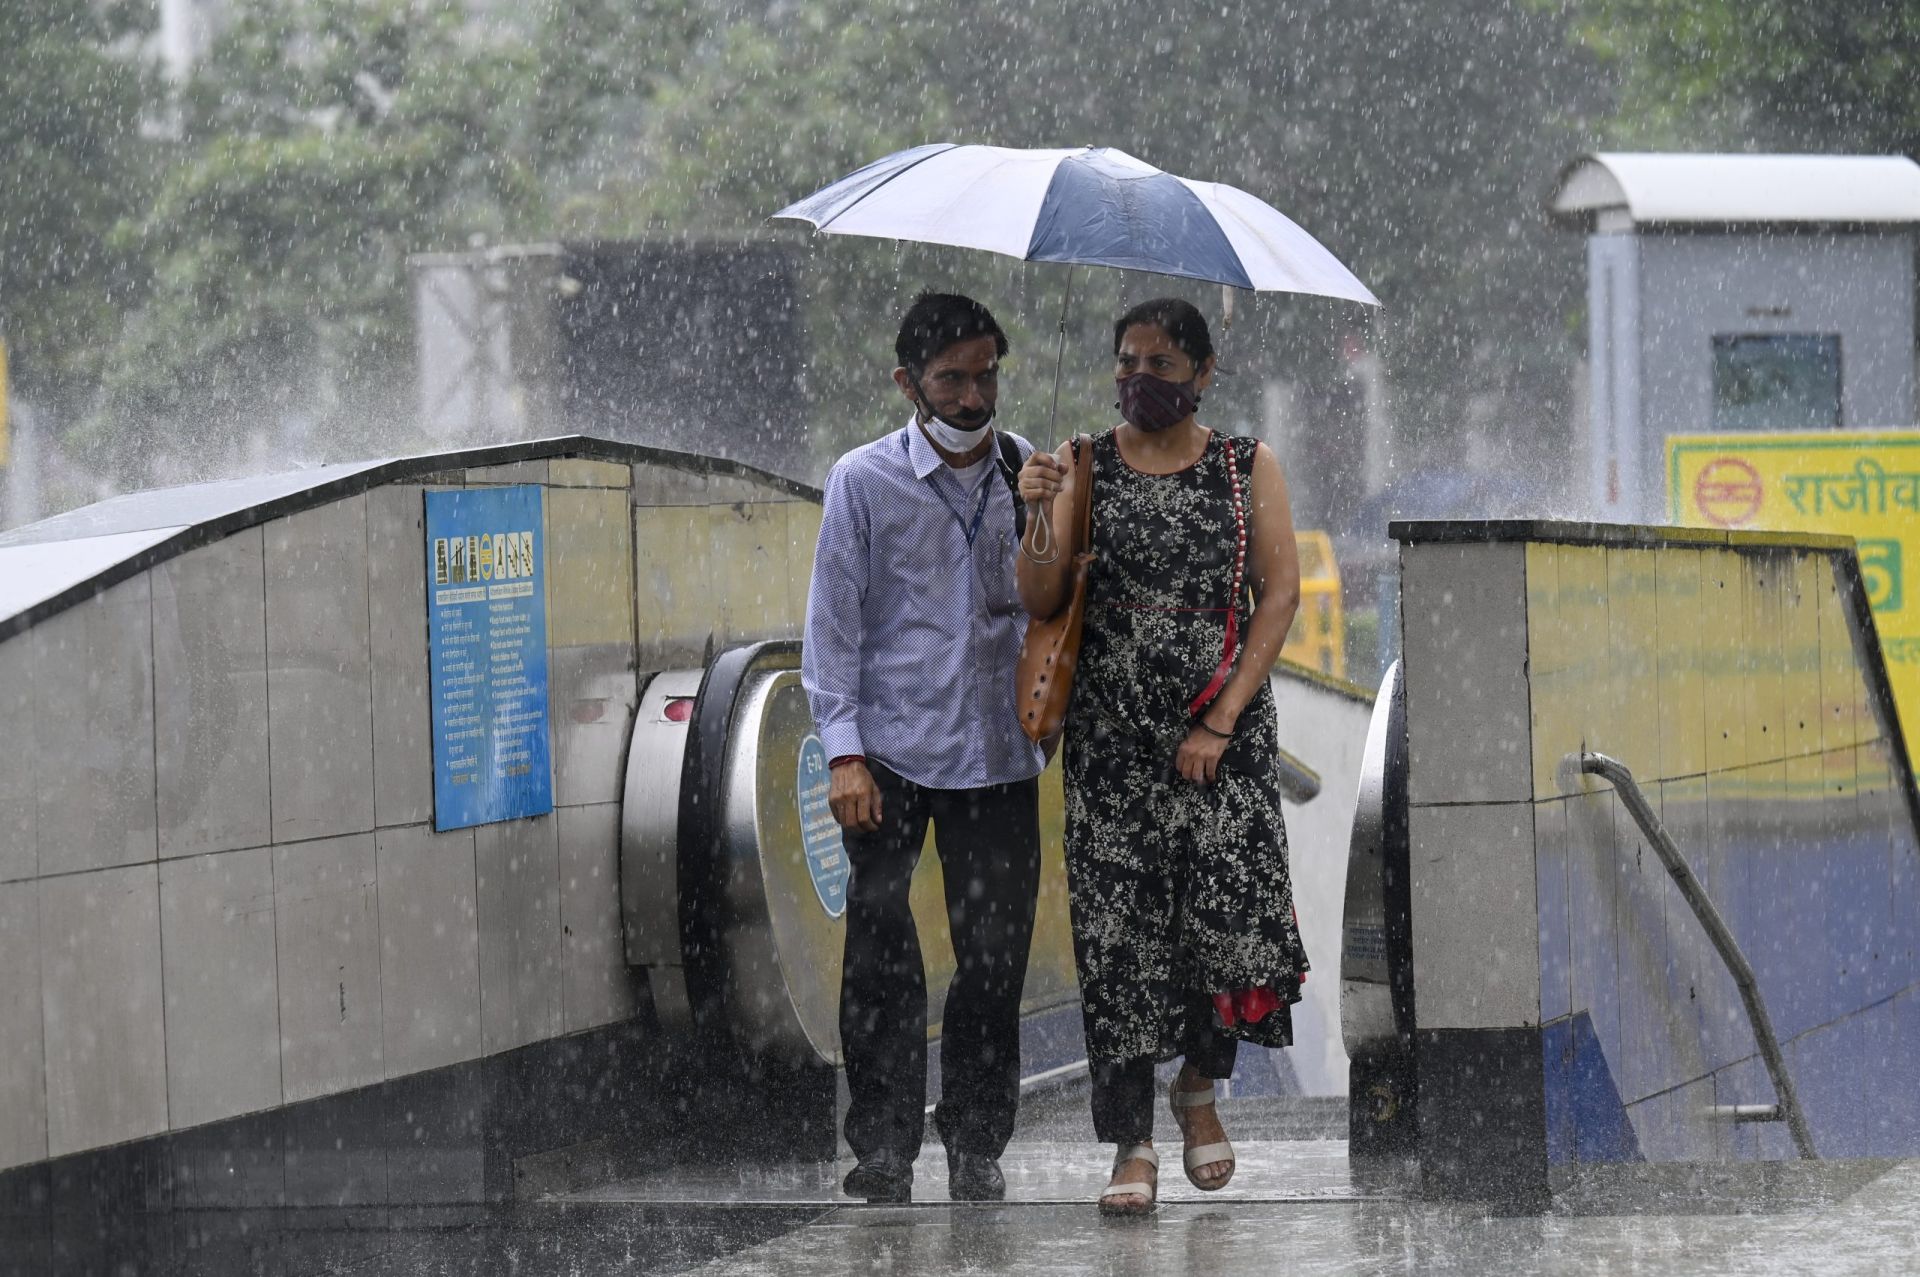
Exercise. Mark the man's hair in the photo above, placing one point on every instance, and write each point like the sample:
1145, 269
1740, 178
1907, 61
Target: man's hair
937, 321
1183, 324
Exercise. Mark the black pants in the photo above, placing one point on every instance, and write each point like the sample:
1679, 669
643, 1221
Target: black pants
989, 845
1124, 1093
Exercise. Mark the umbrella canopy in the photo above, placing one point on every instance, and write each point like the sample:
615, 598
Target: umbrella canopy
1094, 206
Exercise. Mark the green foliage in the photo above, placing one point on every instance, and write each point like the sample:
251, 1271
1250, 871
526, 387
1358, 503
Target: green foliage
781, 103
69, 129
1416, 149
1763, 74
323, 141
319, 144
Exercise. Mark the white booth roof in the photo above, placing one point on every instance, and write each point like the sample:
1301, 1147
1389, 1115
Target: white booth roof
1614, 190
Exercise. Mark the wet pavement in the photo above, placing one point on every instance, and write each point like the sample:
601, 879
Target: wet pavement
1297, 1204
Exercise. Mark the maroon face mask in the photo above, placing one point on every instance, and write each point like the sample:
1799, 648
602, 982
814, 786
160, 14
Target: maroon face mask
1154, 404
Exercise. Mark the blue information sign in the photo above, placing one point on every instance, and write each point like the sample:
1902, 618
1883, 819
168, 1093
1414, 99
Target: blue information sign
819, 831
487, 655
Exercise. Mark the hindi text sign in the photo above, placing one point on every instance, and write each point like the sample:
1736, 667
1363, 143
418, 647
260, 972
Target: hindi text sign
1862, 484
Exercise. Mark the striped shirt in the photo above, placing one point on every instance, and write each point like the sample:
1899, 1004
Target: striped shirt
914, 626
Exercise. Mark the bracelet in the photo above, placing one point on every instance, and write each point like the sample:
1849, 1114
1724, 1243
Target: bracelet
846, 758
1211, 730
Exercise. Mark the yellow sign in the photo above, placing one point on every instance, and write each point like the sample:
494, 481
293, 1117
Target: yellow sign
1318, 638
1862, 484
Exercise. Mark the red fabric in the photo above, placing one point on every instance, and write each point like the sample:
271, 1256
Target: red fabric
1245, 1006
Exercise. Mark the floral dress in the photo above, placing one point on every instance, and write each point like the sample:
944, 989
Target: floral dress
1177, 890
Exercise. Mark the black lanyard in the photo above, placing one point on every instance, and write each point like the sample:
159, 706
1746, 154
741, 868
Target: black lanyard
972, 529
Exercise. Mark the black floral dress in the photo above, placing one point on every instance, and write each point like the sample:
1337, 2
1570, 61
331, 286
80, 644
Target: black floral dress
1177, 890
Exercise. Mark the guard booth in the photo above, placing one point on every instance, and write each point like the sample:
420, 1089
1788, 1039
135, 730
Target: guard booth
1738, 293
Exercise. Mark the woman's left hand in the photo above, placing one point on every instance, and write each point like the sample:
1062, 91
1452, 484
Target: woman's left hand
1198, 759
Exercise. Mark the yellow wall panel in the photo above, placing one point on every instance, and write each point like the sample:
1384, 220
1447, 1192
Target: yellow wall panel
1768, 579
578, 472
589, 567
1555, 725
1838, 671
1679, 660
672, 584
1722, 619
1633, 673
1800, 655
751, 596
803, 534
1583, 609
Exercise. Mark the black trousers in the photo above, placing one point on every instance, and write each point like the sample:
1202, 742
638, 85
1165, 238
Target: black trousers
988, 840
1124, 1091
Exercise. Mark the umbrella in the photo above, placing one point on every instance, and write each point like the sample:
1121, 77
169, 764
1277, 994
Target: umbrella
1095, 206
1091, 206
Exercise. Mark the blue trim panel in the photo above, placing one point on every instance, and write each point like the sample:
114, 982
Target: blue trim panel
1097, 213
1586, 1119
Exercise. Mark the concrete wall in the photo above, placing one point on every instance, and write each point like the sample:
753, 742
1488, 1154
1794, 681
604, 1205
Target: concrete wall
1555, 964
220, 888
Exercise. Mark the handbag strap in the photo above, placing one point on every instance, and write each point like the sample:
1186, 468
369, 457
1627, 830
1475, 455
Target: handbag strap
1083, 479
1219, 679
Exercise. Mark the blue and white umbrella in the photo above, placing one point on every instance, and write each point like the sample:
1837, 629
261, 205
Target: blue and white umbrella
1093, 206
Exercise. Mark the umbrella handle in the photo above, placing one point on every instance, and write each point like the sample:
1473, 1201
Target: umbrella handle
1059, 356
1044, 543
1226, 330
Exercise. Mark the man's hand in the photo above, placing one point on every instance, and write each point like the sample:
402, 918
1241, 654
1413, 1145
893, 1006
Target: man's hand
854, 797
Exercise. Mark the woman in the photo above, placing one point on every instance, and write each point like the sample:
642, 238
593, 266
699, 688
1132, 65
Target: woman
1183, 922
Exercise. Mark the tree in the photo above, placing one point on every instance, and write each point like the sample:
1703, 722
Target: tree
321, 143
1792, 75
318, 145
70, 112
776, 105
1416, 149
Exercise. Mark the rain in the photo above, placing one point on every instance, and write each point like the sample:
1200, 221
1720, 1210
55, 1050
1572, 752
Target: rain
429, 431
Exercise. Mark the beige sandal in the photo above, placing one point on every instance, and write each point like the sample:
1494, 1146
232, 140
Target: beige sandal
1110, 1200
1194, 1158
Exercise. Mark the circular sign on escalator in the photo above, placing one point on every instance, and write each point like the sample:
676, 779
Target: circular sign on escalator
819, 831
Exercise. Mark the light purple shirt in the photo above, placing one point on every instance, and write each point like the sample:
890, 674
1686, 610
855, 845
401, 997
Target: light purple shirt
913, 635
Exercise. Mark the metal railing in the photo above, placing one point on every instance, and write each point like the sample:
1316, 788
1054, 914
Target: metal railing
1616, 773
1299, 783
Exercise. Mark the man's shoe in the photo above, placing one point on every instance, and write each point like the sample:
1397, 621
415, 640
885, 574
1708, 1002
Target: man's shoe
974, 1177
884, 1177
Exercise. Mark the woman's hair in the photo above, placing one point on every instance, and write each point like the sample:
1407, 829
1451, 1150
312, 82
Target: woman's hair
1181, 321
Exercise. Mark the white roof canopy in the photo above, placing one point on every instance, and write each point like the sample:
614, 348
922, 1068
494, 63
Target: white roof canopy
1613, 191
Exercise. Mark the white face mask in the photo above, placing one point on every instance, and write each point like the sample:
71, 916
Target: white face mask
954, 439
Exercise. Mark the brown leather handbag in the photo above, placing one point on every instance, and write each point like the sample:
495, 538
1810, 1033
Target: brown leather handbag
1052, 647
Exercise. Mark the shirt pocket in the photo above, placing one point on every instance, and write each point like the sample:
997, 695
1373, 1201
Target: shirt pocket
999, 587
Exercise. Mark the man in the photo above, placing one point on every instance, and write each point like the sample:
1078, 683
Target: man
913, 635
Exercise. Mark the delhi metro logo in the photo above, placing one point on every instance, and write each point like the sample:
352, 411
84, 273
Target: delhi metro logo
1727, 492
